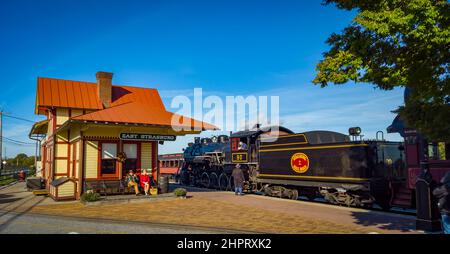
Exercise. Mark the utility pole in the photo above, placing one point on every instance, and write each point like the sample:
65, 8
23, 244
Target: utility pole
1, 139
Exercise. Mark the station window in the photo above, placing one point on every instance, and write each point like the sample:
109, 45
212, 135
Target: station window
108, 163
131, 162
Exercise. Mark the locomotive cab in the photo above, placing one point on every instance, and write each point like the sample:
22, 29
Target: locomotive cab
240, 149
245, 144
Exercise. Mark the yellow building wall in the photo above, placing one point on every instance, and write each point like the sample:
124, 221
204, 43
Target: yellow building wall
61, 150
146, 155
52, 190
91, 159
60, 166
67, 189
62, 115
76, 112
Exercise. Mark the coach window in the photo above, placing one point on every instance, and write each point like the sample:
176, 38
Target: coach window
108, 163
131, 152
437, 151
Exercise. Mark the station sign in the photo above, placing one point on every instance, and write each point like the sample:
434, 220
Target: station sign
146, 137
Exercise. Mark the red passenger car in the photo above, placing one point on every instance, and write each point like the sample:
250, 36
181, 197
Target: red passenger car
170, 164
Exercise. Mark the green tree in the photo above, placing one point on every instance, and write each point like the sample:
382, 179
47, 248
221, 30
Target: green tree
392, 43
21, 160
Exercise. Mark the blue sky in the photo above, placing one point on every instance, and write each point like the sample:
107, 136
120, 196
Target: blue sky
225, 47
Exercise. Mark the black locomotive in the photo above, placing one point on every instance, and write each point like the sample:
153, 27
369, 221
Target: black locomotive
281, 163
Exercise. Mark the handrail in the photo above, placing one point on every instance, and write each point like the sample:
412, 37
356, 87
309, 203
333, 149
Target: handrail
382, 135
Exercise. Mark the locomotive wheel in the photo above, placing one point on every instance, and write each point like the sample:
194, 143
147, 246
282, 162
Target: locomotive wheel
254, 187
294, 194
214, 181
184, 178
204, 180
267, 191
223, 182
330, 197
350, 200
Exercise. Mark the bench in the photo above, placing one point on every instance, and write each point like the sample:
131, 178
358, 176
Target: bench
109, 187
125, 189
95, 186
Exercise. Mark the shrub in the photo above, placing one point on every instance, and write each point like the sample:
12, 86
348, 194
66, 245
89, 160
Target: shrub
90, 197
180, 192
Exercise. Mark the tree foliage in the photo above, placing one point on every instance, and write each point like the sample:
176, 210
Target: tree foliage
21, 160
393, 43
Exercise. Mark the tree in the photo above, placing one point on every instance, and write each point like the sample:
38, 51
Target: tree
21, 160
397, 43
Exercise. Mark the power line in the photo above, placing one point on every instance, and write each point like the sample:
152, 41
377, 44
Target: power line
17, 144
19, 118
18, 141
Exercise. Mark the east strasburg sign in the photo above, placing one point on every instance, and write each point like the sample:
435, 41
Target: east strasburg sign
146, 137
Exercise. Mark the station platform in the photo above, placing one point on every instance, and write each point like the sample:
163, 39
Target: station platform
221, 211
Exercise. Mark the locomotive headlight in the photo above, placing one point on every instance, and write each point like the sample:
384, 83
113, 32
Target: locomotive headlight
354, 131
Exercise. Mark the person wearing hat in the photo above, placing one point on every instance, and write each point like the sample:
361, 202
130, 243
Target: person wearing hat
132, 181
442, 193
239, 179
145, 180
242, 146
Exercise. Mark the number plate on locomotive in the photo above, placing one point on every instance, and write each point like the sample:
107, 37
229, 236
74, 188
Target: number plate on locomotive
238, 157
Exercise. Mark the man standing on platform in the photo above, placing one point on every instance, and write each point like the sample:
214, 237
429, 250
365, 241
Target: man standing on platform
442, 193
239, 179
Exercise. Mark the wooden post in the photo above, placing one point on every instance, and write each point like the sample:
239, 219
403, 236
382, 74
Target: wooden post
156, 161
81, 165
120, 162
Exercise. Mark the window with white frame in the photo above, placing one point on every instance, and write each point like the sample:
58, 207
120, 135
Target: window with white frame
131, 163
108, 163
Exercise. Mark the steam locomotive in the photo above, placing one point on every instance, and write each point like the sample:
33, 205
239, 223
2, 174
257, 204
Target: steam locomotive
278, 162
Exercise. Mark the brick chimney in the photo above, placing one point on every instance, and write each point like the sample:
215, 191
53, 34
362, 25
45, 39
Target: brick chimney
104, 87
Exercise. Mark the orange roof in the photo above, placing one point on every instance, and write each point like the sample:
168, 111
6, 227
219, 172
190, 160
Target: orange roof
67, 94
138, 112
128, 104
83, 95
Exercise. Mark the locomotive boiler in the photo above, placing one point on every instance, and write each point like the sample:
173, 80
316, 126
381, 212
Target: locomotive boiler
281, 163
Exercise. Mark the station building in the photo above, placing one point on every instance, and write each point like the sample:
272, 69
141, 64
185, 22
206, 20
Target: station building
99, 131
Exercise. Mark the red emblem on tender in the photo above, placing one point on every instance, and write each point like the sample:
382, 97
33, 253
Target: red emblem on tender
300, 162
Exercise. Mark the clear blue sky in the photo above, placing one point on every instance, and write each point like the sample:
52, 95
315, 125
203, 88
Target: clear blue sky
225, 47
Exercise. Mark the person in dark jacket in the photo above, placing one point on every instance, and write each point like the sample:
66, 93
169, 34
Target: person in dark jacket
239, 179
442, 194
